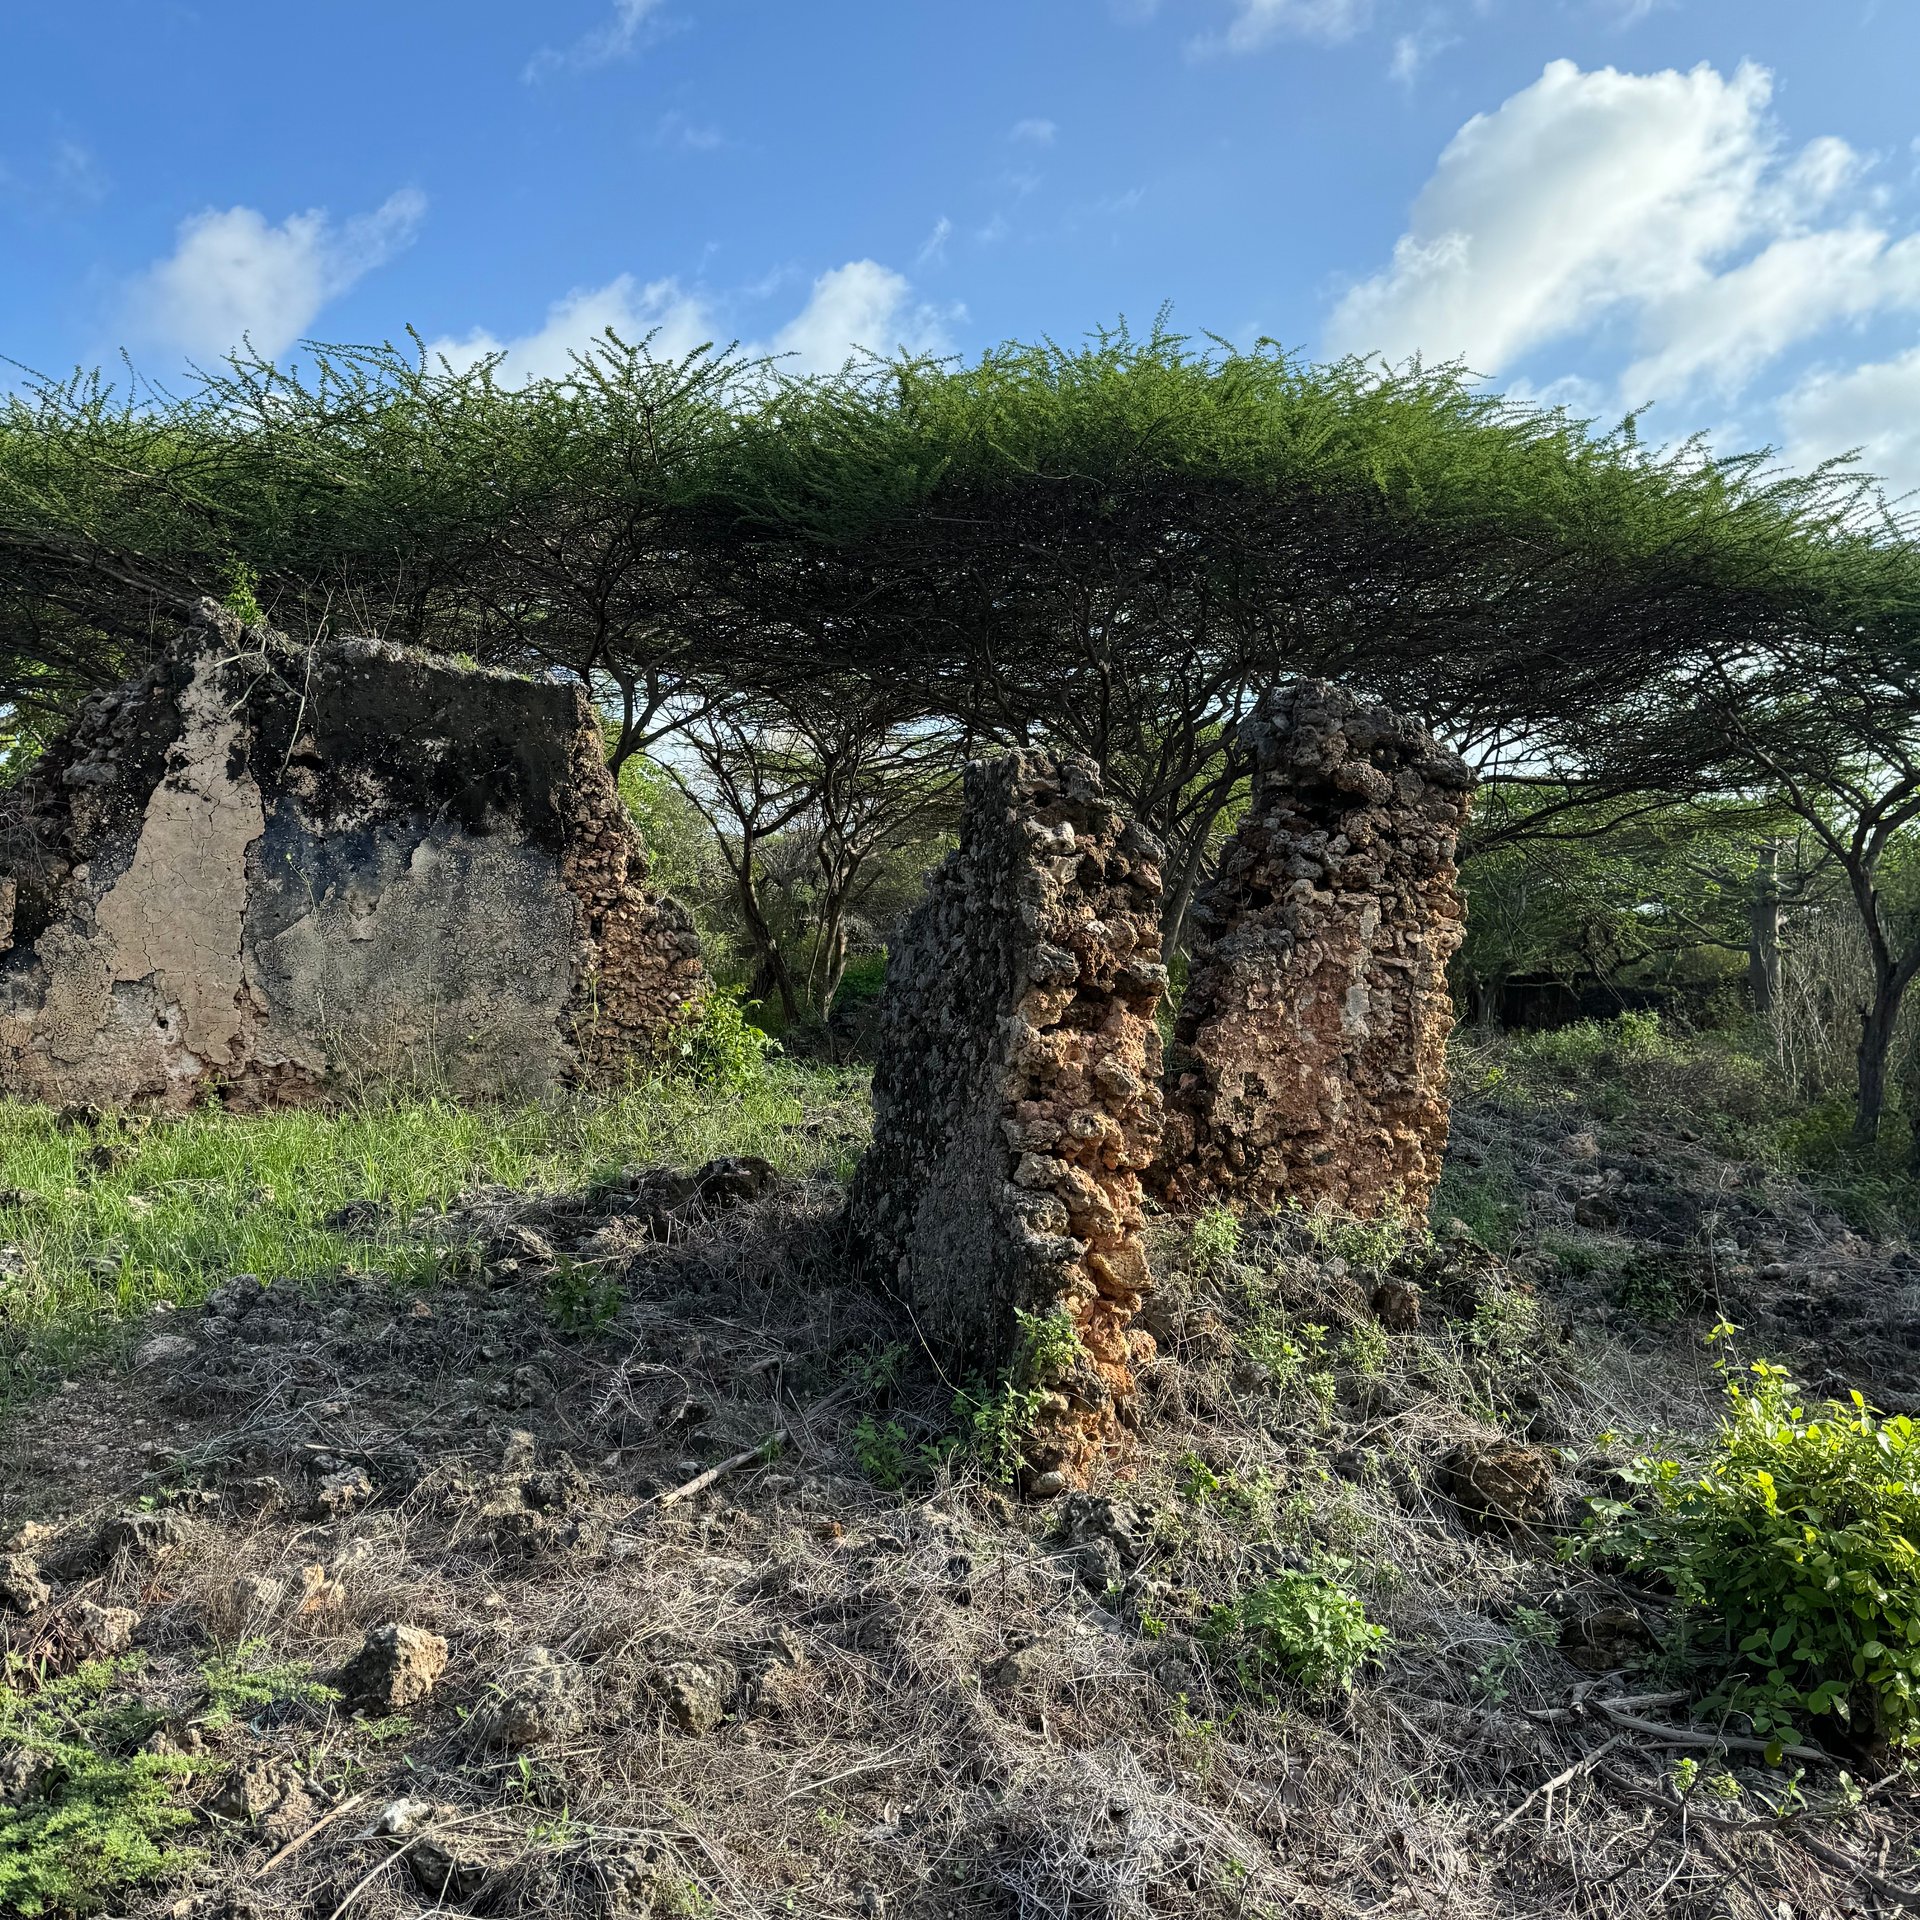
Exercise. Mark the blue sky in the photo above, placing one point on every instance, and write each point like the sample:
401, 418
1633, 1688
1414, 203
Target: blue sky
1712, 206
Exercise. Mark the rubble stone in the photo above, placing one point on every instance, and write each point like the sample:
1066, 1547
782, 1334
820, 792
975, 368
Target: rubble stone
1499, 1485
1016, 1101
698, 1692
263, 870
395, 1667
1308, 1062
22, 1587
542, 1698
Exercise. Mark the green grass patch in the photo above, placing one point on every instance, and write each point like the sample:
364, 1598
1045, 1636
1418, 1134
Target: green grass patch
98, 1225
98, 1813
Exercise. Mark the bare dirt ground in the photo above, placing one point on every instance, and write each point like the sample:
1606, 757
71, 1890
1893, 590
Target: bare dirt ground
849, 1674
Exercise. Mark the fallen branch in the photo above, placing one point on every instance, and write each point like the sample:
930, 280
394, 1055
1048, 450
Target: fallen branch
294, 1845
1565, 1778
1890, 1890
702, 1481
1672, 1736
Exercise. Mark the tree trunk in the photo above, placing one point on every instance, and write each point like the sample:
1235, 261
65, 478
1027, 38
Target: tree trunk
1763, 931
1876, 1038
770, 964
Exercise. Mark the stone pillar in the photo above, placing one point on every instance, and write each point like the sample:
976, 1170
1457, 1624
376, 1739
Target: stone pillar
1017, 1102
1309, 1055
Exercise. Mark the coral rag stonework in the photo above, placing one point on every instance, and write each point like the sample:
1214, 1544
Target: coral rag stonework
1016, 1103
269, 871
1309, 1057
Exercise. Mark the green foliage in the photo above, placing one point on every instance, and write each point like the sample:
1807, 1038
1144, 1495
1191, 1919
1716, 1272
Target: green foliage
1587, 1047
240, 1684
583, 1297
1302, 1628
1366, 1348
1247, 1503
186, 1205
1048, 1345
1485, 1200
1365, 1243
1215, 1238
1792, 1550
884, 1451
1657, 1288
100, 1812
723, 1049
996, 1422
242, 596
1533, 1630
1506, 1327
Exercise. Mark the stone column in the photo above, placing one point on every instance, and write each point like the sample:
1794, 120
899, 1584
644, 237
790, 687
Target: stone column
1017, 1102
1309, 1055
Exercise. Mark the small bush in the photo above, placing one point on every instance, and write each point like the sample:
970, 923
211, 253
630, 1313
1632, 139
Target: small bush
722, 1048
99, 1810
1216, 1239
1364, 1243
1793, 1553
1301, 1628
996, 1421
884, 1452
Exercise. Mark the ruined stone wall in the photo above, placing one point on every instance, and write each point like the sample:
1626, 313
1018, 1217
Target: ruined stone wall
1016, 1100
275, 871
1309, 1056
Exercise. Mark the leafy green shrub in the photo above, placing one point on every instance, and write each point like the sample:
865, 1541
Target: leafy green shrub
1793, 1553
996, 1421
1216, 1239
882, 1452
721, 1047
98, 1809
1301, 1628
1366, 1348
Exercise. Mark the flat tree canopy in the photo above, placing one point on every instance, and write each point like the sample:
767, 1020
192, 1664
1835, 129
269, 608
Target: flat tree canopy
1110, 546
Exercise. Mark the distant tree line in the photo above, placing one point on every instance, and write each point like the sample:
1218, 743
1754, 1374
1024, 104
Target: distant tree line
801, 602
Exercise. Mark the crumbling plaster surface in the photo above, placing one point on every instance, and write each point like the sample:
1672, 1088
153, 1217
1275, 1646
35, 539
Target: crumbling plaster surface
1309, 1056
1016, 1099
277, 872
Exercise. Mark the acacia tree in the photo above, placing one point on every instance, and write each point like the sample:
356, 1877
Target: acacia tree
1832, 722
807, 793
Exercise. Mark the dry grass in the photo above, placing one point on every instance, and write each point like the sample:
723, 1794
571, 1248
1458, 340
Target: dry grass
937, 1700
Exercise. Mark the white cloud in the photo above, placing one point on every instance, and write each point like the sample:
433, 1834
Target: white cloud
860, 305
1258, 23
1035, 133
1875, 408
934, 247
678, 320
632, 21
1717, 335
676, 129
1662, 200
232, 276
